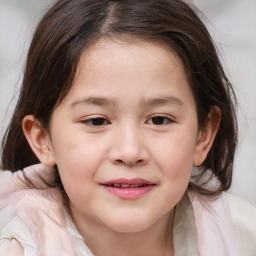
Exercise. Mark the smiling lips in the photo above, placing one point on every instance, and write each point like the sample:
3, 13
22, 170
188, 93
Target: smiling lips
128, 189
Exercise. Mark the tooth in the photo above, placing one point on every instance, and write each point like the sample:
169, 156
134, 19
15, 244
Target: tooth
125, 185
119, 185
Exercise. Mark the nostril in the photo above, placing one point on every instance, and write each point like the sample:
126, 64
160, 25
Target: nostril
119, 161
130, 163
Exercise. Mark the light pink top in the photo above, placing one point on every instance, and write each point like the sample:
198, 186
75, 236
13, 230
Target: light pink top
34, 222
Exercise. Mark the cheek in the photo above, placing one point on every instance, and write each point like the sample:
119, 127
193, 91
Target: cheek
177, 173
177, 167
176, 162
75, 151
175, 154
77, 162
78, 167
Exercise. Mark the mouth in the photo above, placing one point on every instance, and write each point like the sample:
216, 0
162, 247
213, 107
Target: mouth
119, 185
128, 189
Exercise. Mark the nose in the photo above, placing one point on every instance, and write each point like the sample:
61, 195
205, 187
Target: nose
129, 147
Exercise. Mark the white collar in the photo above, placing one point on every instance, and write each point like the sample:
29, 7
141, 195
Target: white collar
202, 226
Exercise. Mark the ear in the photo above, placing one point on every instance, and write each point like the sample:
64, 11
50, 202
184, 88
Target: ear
39, 140
206, 136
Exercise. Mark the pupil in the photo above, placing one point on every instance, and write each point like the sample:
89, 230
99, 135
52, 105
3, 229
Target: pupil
158, 120
98, 121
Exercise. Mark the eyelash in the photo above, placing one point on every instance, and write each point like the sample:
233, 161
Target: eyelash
102, 121
158, 120
166, 120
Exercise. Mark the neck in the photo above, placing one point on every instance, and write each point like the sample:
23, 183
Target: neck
103, 241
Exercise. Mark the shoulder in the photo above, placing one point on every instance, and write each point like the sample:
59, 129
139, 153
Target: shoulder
243, 215
15, 239
11, 247
32, 213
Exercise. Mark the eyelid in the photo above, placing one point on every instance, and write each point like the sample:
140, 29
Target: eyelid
167, 117
91, 118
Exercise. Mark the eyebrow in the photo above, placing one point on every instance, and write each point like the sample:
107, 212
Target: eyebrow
98, 101
151, 102
169, 100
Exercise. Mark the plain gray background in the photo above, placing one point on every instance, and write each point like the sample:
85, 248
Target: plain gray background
232, 24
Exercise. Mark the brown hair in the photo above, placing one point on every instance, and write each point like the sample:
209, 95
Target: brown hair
72, 25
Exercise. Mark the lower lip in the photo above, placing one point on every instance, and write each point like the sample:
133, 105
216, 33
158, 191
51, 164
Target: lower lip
129, 193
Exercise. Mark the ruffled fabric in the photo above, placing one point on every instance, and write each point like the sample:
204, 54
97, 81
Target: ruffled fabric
215, 230
27, 201
34, 222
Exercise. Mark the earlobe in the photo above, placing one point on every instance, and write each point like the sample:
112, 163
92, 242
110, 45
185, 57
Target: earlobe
38, 140
206, 136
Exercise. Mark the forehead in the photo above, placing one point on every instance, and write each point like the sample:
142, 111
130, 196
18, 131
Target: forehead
127, 51
119, 67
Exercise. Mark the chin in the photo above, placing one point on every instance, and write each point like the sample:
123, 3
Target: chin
129, 228
129, 224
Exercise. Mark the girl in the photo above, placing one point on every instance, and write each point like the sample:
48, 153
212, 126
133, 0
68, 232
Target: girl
120, 100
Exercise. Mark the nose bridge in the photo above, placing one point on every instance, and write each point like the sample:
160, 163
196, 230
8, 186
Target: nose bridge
129, 147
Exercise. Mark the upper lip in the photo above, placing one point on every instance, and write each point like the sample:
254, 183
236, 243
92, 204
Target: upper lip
136, 181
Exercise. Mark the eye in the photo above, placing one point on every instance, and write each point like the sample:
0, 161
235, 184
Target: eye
98, 121
159, 120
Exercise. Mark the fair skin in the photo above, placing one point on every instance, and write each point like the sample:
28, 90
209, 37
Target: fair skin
131, 115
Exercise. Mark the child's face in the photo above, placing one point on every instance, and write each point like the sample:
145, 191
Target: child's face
130, 117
